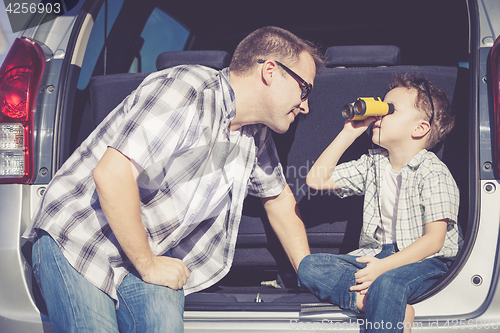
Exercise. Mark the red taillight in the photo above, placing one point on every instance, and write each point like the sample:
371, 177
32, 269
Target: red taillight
20, 77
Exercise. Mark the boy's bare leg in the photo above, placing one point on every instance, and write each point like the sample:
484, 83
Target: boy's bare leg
360, 301
409, 313
409, 317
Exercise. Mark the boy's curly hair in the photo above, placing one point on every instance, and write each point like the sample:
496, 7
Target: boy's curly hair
443, 120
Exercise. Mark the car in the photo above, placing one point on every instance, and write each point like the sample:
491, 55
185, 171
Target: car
63, 76
6, 35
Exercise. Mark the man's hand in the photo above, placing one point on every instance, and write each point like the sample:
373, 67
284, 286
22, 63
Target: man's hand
165, 271
365, 277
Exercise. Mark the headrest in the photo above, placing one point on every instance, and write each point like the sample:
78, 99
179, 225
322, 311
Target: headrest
362, 55
214, 59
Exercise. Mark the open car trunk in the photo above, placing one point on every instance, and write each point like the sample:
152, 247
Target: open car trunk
333, 225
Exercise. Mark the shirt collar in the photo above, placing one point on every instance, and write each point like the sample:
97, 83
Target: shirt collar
417, 159
229, 104
379, 151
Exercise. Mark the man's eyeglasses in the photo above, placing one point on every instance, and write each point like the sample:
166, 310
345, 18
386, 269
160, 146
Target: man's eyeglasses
425, 85
306, 87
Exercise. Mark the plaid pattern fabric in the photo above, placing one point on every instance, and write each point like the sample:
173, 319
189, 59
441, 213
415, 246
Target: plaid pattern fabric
428, 193
175, 129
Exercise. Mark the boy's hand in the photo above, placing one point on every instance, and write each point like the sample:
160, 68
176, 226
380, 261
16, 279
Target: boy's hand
365, 277
358, 127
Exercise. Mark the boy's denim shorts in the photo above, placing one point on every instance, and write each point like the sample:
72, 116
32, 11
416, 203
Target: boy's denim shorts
330, 276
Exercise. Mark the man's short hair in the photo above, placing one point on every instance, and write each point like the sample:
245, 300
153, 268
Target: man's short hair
271, 42
443, 120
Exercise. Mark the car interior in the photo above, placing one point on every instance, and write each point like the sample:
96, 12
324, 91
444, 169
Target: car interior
261, 278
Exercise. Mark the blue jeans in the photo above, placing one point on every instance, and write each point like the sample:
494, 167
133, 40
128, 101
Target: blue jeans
76, 305
330, 276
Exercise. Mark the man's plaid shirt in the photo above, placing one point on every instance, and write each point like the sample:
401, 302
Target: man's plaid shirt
428, 193
175, 129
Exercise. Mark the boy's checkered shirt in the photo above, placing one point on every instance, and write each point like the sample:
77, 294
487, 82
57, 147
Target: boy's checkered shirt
428, 193
175, 129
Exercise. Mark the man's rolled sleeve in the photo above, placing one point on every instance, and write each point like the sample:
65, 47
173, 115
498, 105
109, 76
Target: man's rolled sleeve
155, 125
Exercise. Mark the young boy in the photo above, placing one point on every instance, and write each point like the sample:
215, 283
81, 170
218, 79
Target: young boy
409, 235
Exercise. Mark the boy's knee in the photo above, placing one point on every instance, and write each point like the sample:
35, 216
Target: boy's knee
311, 268
304, 269
306, 262
360, 302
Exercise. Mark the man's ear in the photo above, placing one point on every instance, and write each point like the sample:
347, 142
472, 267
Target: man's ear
423, 127
268, 71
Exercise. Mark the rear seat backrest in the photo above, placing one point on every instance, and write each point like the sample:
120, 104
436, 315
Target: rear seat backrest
108, 91
362, 55
211, 58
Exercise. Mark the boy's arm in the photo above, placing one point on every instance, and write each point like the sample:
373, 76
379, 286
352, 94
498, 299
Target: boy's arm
430, 243
319, 177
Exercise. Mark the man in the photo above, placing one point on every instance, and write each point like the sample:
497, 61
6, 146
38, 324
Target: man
148, 208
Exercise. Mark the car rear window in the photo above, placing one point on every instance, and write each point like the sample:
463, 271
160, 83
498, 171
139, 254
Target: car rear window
160, 34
